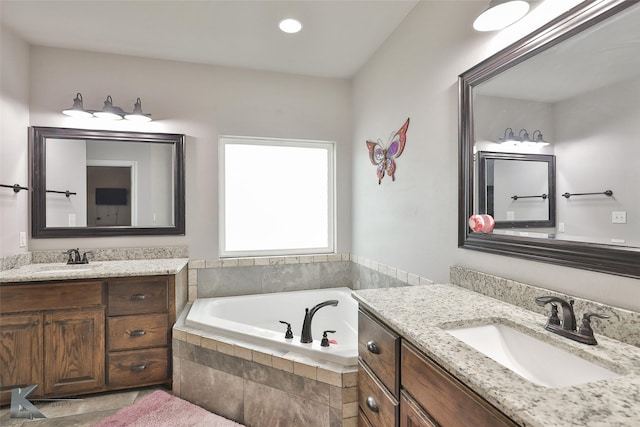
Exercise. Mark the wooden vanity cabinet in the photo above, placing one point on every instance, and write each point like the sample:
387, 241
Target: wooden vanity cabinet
85, 336
378, 372
52, 335
415, 389
140, 314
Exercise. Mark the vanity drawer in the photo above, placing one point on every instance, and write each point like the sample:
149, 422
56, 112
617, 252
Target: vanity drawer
379, 348
449, 402
138, 296
49, 296
129, 332
375, 401
139, 367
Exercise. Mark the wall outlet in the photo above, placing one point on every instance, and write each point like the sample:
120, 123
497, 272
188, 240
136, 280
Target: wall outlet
72, 220
23, 239
619, 217
561, 227
511, 216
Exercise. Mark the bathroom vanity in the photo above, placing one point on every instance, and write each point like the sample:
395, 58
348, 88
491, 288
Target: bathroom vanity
88, 328
413, 372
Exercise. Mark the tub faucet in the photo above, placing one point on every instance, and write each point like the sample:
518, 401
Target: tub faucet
308, 316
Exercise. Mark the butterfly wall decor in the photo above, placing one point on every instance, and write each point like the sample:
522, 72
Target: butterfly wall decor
384, 158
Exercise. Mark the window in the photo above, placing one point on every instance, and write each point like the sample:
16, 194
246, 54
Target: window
276, 197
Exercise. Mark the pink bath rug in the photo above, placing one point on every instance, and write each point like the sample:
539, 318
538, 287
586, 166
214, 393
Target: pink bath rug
160, 409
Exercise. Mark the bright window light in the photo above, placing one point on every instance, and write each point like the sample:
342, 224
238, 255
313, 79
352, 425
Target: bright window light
277, 197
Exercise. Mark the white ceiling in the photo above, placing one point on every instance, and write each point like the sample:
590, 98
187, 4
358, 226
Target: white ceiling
337, 38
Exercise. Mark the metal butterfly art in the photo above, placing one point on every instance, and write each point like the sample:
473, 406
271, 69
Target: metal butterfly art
383, 158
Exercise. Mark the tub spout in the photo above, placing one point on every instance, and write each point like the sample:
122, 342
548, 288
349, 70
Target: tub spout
308, 316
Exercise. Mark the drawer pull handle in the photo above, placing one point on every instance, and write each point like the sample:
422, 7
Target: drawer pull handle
138, 297
373, 347
371, 404
138, 333
138, 368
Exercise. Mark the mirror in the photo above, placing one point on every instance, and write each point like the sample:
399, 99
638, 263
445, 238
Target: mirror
576, 82
517, 190
91, 183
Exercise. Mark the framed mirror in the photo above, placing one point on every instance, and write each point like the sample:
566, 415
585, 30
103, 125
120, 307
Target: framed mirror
576, 81
93, 183
517, 190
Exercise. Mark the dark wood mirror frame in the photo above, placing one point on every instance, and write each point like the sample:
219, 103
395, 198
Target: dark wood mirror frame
550, 195
619, 260
37, 153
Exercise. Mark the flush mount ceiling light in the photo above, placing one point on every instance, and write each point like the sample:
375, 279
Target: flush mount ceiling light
108, 112
501, 14
290, 25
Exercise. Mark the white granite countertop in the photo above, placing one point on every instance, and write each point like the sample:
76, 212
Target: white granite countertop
421, 313
93, 270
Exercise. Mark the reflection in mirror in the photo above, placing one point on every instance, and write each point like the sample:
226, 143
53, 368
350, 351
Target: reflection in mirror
95, 183
576, 80
518, 190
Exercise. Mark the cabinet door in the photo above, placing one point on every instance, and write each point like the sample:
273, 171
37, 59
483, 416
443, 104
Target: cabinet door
412, 415
74, 351
20, 353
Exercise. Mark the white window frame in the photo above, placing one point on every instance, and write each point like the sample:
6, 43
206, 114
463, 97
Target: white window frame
330, 146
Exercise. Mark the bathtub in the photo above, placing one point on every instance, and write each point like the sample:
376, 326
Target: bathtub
255, 319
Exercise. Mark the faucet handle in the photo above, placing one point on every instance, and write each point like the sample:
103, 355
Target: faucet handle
289, 333
553, 318
325, 339
585, 328
84, 257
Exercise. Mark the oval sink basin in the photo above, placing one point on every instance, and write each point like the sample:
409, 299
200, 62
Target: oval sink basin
535, 360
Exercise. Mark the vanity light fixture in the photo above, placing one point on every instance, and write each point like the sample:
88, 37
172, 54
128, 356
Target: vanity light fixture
510, 137
539, 140
137, 114
290, 26
501, 14
78, 109
108, 112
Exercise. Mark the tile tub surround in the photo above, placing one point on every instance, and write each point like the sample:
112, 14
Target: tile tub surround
419, 313
257, 386
622, 325
242, 276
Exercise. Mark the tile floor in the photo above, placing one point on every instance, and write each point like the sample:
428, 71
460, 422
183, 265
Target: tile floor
85, 411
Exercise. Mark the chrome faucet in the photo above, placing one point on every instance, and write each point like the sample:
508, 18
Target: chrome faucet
308, 316
568, 329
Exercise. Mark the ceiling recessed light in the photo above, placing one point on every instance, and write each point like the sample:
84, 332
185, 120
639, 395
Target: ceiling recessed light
290, 25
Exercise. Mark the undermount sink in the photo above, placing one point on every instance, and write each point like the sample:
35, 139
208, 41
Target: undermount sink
535, 360
66, 268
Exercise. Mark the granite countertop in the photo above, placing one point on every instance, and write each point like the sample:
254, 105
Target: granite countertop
93, 270
421, 313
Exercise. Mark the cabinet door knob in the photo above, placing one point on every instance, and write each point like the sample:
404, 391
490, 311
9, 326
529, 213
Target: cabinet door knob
371, 404
373, 347
36, 323
138, 297
48, 322
137, 333
138, 368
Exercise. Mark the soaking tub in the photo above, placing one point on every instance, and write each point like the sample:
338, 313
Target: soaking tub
255, 319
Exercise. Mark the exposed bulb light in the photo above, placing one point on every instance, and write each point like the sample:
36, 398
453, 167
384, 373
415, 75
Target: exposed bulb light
108, 112
78, 109
137, 114
523, 139
501, 14
290, 25
538, 140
